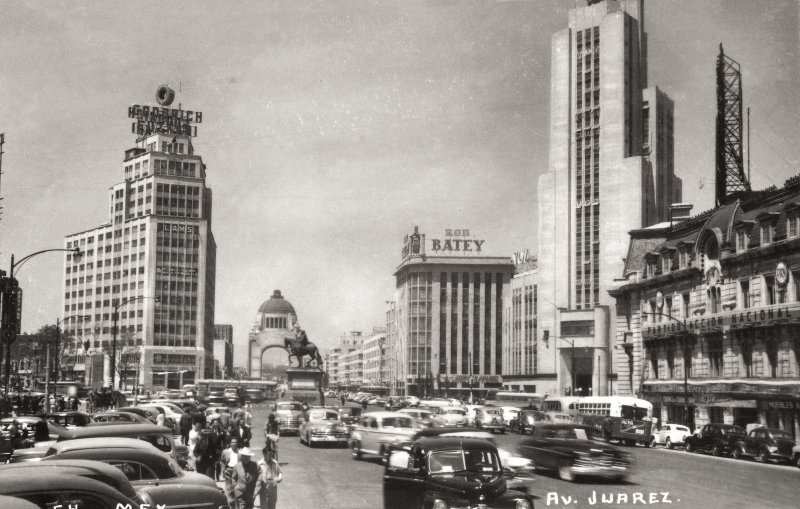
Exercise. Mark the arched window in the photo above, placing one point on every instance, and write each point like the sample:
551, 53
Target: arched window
747, 359
772, 357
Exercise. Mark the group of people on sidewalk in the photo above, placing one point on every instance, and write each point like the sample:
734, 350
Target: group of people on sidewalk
246, 481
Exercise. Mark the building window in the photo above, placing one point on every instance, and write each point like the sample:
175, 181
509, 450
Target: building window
767, 233
686, 302
741, 241
666, 263
747, 359
653, 364
791, 226
744, 293
683, 258
715, 358
772, 357
670, 361
714, 297
769, 290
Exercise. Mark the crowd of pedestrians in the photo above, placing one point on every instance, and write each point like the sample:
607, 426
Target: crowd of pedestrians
219, 447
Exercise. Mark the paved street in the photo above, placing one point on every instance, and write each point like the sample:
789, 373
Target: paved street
330, 478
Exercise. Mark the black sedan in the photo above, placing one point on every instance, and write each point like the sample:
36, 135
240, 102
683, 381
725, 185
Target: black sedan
449, 472
151, 414
567, 450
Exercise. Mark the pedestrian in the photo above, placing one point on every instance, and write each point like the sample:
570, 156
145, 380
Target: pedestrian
272, 434
205, 453
186, 427
241, 432
244, 478
219, 446
161, 419
194, 434
269, 475
248, 414
228, 461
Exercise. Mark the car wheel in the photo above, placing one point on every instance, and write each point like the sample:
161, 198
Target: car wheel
736, 453
648, 443
669, 444
797, 460
763, 456
356, 450
565, 472
716, 450
502, 431
689, 446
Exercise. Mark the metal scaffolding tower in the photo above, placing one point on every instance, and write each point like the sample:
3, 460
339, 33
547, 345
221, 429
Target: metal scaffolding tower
730, 170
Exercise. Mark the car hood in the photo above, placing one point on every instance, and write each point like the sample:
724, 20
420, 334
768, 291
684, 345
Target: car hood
470, 486
288, 413
182, 495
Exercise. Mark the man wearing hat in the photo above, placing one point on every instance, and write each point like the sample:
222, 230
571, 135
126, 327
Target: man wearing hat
243, 478
269, 476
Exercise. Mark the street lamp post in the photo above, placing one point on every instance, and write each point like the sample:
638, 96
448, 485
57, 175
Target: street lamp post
684, 344
56, 361
114, 333
15, 265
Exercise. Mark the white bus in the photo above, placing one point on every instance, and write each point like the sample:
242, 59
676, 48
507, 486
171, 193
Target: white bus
517, 399
566, 405
624, 418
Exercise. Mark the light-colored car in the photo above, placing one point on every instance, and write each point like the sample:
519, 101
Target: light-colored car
423, 418
451, 416
412, 400
324, 426
671, 435
289, 415
377, 431
171, 411
490, 418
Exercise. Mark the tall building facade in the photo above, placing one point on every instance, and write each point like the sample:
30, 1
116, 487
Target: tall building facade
521, 348
344, 362
223, 350
148, 273
449, 314
599, 185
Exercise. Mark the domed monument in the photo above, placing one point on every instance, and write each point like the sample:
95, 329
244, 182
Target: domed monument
274, 322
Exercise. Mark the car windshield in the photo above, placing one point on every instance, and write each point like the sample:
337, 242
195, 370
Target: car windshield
397, 422
493, 412
454, 411
350, 411
323, 415
459, 461
289, 406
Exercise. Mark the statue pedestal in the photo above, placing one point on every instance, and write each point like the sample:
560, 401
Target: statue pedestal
305, 385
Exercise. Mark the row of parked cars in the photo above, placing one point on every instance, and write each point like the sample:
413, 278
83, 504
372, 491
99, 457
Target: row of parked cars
114, 458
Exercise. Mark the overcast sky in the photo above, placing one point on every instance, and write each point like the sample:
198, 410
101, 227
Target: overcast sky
331, 129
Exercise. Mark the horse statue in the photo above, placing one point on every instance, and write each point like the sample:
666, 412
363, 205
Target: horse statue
296, 348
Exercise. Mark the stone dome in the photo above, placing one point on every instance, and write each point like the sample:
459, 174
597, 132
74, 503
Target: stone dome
276, 305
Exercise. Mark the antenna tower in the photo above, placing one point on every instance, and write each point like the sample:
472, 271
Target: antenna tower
730, 169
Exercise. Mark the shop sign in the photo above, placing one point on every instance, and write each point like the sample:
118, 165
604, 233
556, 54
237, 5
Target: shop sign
724, 388
763, 316
177, 228
780, 404
491, 379
456, 241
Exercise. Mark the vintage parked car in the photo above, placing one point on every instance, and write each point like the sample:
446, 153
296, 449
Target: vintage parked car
671, 435
766, 444
159, 436
151, 414
718, 439
323, 426
567, 450
349, 415
28, 423
527, 420
491, 419
70, 420
451, 416
289, 415
434, 473
61, 490
423, 418
141, 462
171, 411
377, 431
796, 455
82, 468
118, 417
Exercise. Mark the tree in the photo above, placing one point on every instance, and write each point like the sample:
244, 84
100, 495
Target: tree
127, 358
240, 374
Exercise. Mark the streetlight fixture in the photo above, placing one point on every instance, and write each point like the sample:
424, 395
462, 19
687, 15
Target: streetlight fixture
546, 336
114, 333
14, 266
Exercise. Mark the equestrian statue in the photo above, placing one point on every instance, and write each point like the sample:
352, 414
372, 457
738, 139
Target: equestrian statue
299, 346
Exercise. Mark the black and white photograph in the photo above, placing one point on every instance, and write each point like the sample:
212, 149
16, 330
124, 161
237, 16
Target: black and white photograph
399, 254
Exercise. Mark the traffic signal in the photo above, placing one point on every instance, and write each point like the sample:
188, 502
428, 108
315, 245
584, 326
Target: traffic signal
11, 310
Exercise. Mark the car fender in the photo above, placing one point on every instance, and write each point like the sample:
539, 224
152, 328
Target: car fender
182, 495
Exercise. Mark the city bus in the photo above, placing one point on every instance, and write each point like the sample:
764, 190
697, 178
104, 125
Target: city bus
566, 405
623, 418
517, 399
256, 390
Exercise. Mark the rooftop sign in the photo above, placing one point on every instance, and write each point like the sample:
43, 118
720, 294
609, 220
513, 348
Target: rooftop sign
163, 120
